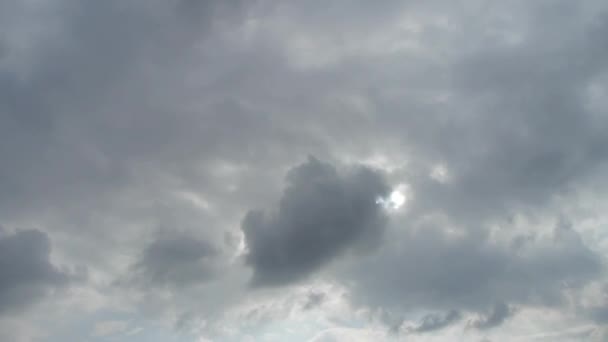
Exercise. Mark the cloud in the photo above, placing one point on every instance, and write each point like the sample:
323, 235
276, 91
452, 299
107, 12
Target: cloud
431, 267
120, 118
322, 213
314, 300
176, 260
61, 96
434, 322
27, 274
496, 317
514, 130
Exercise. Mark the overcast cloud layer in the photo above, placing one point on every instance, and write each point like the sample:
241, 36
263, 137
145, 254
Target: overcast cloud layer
273, 170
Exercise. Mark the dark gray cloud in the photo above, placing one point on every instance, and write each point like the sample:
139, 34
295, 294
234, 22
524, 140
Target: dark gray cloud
432, 268
176, 260
322, 212
433, 322
26, 273
120, 116
85, 80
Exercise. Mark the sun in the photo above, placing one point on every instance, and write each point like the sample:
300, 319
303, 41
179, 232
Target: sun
396, 199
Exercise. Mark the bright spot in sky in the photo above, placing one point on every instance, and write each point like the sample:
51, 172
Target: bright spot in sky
396, 199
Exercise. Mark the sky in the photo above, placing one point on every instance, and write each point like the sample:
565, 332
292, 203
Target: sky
316, 171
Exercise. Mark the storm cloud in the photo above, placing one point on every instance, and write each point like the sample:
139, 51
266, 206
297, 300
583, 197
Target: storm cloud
27, 274
176, 260
322, 213
457, 186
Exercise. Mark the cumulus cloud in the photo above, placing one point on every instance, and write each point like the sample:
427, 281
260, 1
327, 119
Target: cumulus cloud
176, 260
322, 213
27, 272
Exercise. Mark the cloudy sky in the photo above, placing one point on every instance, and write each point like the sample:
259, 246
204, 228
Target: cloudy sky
273, 170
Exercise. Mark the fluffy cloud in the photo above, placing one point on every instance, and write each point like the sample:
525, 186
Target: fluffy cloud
321, 214
176, 260
122, 119
27, 272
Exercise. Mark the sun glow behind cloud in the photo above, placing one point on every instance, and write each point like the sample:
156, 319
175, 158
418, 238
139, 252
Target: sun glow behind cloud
396, 199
